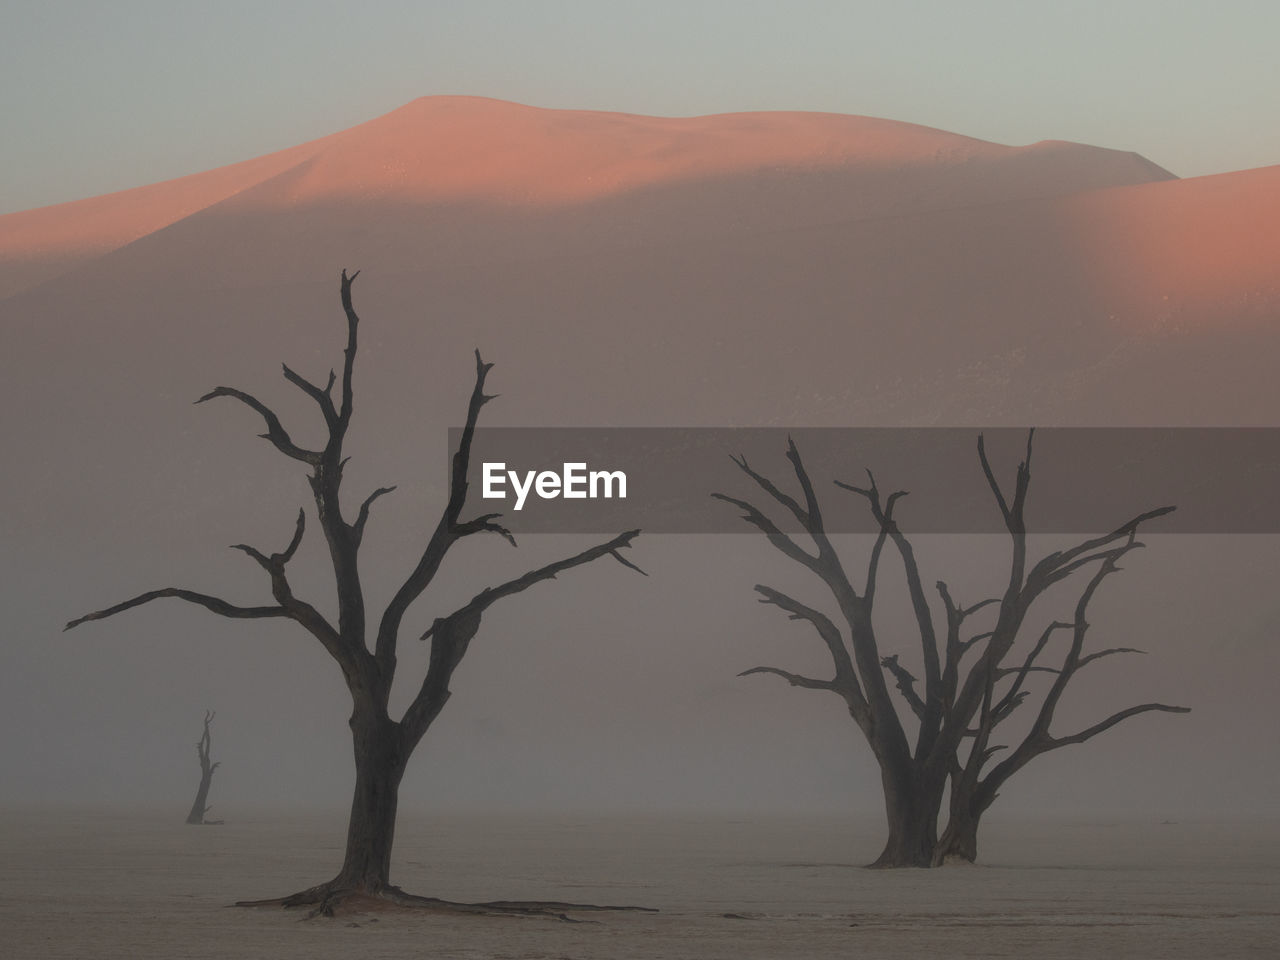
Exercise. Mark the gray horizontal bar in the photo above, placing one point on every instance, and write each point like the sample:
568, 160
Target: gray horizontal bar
1083, 479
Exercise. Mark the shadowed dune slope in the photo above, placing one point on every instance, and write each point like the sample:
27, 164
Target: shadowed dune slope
744, 268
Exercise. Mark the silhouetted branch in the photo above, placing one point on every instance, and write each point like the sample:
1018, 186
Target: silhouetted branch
1054, 562
276, 433
276, 561
212, 604
780, 540
927, 709
1090, 732
823, 624
992, 482
486, 598
451, 635
1106, 653
462, 457
769, 487
792, 678
812, 515
322, 397
349, 354
485, 524
1007, 701
447, 530
362, 518
905, 683
627, 563
870, 702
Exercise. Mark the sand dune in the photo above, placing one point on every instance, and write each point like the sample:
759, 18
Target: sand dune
1208, 245
892, 224
439, 152
742, 269
36, 245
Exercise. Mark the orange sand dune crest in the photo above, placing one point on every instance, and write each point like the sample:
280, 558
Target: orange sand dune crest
449, 149
1188, 244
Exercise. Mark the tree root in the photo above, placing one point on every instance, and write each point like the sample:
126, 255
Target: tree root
331, 900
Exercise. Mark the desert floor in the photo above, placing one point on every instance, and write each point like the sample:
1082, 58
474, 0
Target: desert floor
104, 885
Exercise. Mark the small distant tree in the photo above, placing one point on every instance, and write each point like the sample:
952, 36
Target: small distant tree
939, 732
201, 804
365, 649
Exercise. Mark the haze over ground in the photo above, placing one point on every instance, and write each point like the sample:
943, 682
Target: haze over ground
763, 269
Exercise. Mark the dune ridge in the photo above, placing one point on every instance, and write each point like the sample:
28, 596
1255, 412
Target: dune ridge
448, 150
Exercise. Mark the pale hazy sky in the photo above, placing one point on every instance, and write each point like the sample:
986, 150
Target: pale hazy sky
97, 97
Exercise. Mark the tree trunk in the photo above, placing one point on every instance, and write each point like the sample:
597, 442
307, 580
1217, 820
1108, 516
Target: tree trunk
959, 841
911, 809
380, 764
201, 804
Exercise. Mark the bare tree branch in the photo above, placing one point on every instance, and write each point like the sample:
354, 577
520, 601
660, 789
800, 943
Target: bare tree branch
1098, 655
1054, 562
927, 708
883, 515
626, 563
362, 518
905, 683
462, 457
1002, 672
812, 515
276, 433
878, 718
486, 598
1080, 626
447, 531
213, 604
1007, 701
486, 523
827, 630
349, 354
1103, 725
277, 559
992, 482
793, 678
827, 562
451, 635
780, 540
846, 677
322, 397
772, 489
1061, 572
970, 611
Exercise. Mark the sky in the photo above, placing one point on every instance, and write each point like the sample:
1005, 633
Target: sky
100, 97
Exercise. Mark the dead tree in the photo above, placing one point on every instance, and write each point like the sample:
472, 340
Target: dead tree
1004, 690
364, 649
201, 805
968, 686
